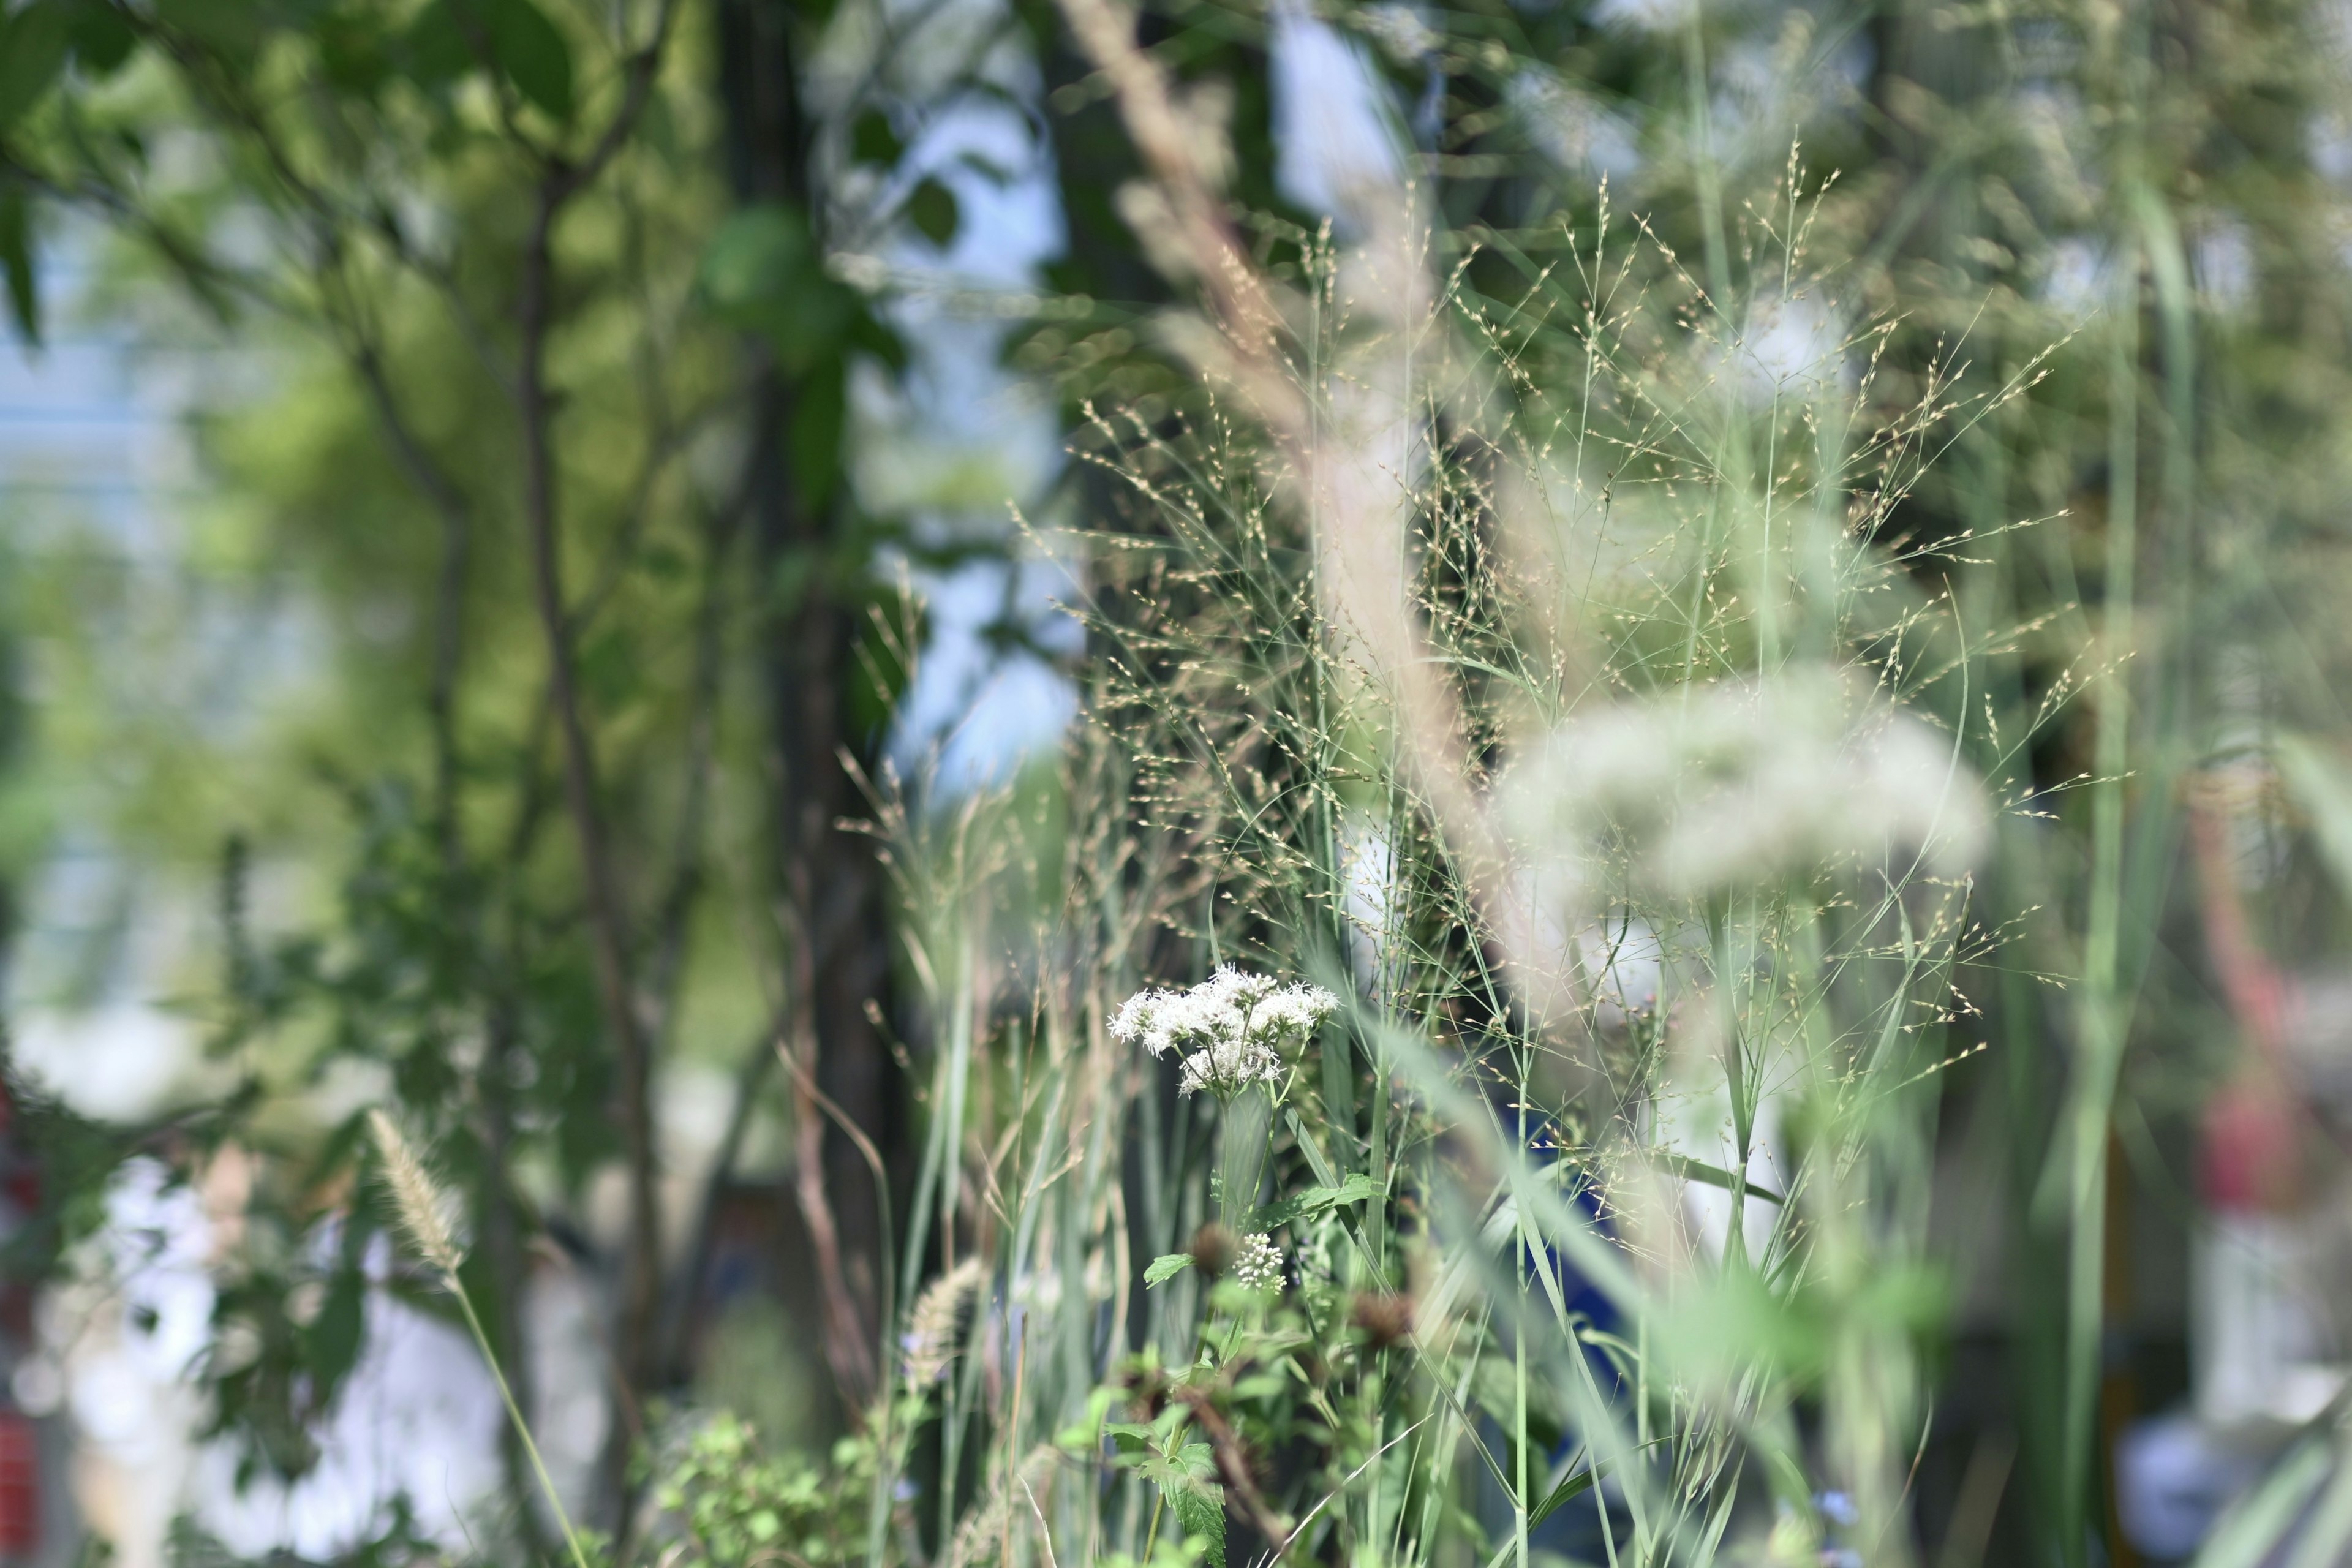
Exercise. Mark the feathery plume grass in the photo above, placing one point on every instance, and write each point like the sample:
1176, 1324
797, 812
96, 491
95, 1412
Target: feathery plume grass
931, 1336
422, 1205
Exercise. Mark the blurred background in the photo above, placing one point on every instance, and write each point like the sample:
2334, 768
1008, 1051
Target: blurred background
489, 488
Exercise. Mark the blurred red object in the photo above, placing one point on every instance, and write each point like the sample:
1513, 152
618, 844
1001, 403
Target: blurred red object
2254, 1128
2253, 1154
20, 1487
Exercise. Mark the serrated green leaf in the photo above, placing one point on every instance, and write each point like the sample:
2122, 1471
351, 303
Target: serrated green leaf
1202, 1512
1358, 1188
1166, 1268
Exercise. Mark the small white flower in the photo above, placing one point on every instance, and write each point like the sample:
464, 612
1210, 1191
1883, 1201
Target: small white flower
1257, 1263
1230, 1030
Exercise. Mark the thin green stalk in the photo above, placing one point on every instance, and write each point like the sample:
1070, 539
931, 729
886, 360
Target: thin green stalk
514, 1413
2102, 1015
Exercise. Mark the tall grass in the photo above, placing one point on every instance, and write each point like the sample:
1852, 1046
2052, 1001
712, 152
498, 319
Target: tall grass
1619, 678
1557, 673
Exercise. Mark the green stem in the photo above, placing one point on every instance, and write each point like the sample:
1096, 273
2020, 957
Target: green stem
1247, 1134
514, 1413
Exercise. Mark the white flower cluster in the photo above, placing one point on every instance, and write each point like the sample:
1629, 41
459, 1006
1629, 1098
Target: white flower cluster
1257, 1263
1231, 1029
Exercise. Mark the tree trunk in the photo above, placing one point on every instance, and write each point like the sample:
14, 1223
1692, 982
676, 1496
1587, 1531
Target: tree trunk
828, 881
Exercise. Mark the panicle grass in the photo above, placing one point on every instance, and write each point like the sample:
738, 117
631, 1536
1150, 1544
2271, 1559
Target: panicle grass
1507, 646
426, 1210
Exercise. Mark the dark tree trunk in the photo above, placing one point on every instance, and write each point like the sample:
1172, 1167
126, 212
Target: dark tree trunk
828, 881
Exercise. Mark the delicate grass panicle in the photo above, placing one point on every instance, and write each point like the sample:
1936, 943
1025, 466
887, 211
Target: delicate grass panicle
1571, 747
425, 1208
1563, 791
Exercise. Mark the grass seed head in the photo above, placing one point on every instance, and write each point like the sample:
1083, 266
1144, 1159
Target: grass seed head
423, 1205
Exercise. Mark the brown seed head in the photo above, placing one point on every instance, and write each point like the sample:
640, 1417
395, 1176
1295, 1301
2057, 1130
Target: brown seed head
1381, 1319
1212, 1251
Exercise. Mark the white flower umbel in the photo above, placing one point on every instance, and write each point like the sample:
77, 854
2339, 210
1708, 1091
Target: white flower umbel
1233, 1035
1232, 1030
1257, 1264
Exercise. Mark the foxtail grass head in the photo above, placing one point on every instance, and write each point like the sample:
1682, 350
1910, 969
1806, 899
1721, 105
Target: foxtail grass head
932, 1328
423, 1205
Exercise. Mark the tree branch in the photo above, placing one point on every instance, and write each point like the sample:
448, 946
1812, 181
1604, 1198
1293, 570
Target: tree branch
607, 921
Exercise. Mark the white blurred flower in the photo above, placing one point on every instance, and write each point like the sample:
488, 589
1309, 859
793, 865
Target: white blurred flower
1257, 1263
1231, 1029
1743, 783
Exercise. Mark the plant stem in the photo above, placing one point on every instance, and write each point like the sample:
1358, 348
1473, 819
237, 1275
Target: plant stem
514, 1413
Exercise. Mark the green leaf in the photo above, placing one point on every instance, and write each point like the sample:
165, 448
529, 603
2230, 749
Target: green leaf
820, 414
1571, 1486
435, 45
450, 38
332, 1338
1358, 1188
762, 272
2321, 783
16, 259
230, 27
932, 208
871, 138
1131, 1438
1166, 1268
756, 253
1202, 1512
351, 55
102, 40
32, 52
1699, 1170
531, 52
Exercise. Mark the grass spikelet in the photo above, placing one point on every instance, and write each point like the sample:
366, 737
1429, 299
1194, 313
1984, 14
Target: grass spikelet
932, 1328
423, 1206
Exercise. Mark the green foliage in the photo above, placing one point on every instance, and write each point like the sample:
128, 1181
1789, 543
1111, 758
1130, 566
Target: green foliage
1612, 509
34, 42
734, 1505
932, 208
